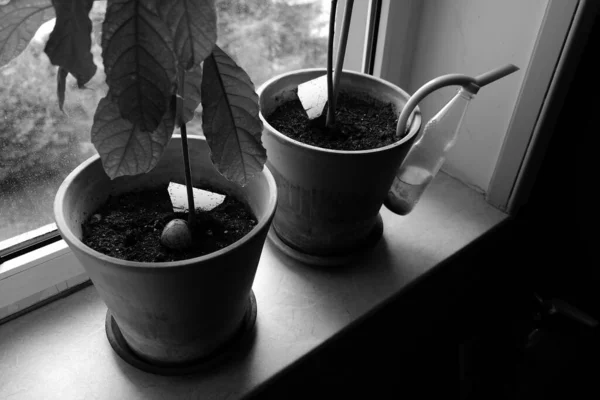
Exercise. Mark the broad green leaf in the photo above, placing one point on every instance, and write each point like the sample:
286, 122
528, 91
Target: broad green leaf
139, 61
69, 45
19, 21
230, 118
191, 92
193, 25
61, 85
125, 149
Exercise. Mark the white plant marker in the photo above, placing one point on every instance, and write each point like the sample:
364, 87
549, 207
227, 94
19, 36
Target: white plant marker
313, 96
203, 199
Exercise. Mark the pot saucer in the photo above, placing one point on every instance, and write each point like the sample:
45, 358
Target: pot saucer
335, 260
236, 346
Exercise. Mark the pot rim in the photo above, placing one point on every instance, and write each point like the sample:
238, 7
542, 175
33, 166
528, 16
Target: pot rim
413, 131
73, 240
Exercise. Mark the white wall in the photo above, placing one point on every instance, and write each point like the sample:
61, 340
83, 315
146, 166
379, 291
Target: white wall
471, 37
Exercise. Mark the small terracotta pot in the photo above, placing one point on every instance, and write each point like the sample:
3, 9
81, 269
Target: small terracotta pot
169, 312
328, 200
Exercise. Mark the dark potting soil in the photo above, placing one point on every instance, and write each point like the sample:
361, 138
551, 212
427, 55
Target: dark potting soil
129, 227
362, 123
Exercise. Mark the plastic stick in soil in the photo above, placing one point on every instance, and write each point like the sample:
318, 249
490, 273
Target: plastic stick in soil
332, 101
319, 96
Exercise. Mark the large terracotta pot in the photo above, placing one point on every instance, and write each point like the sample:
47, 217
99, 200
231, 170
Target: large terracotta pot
329, 200
169, 312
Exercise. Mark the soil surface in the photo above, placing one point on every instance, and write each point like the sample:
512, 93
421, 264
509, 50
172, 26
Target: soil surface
129, 227
362, 123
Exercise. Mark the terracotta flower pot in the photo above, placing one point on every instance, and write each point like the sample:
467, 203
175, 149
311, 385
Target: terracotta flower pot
169, 312
329, 200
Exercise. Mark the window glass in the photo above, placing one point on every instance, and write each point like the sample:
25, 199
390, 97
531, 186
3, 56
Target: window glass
40, 145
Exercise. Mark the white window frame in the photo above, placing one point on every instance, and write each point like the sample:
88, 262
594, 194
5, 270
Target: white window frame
34, 277
557, 50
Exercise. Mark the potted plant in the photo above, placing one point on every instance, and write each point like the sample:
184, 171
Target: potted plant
185, 289
332, 172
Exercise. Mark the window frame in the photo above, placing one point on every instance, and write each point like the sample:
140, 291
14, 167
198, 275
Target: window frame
557, 51
35, 276
28, 241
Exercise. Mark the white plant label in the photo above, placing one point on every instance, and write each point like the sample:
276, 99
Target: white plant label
203, 199
313, 96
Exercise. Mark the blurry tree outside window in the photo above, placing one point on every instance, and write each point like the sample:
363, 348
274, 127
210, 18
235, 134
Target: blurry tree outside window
40, 145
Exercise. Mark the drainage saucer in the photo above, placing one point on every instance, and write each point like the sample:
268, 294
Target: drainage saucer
336, 260
236, 346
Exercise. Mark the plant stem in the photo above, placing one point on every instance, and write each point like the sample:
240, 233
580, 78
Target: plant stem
188, 178
340, 62
186, 154
330, 110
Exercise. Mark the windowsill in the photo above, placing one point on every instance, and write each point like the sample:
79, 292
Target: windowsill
61, 349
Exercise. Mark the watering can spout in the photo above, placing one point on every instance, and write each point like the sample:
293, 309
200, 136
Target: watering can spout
473, 84
428, 153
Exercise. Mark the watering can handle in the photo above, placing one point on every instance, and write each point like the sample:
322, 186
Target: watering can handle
470, 83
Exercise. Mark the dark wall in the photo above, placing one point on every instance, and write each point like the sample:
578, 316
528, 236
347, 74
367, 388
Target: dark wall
560, 219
